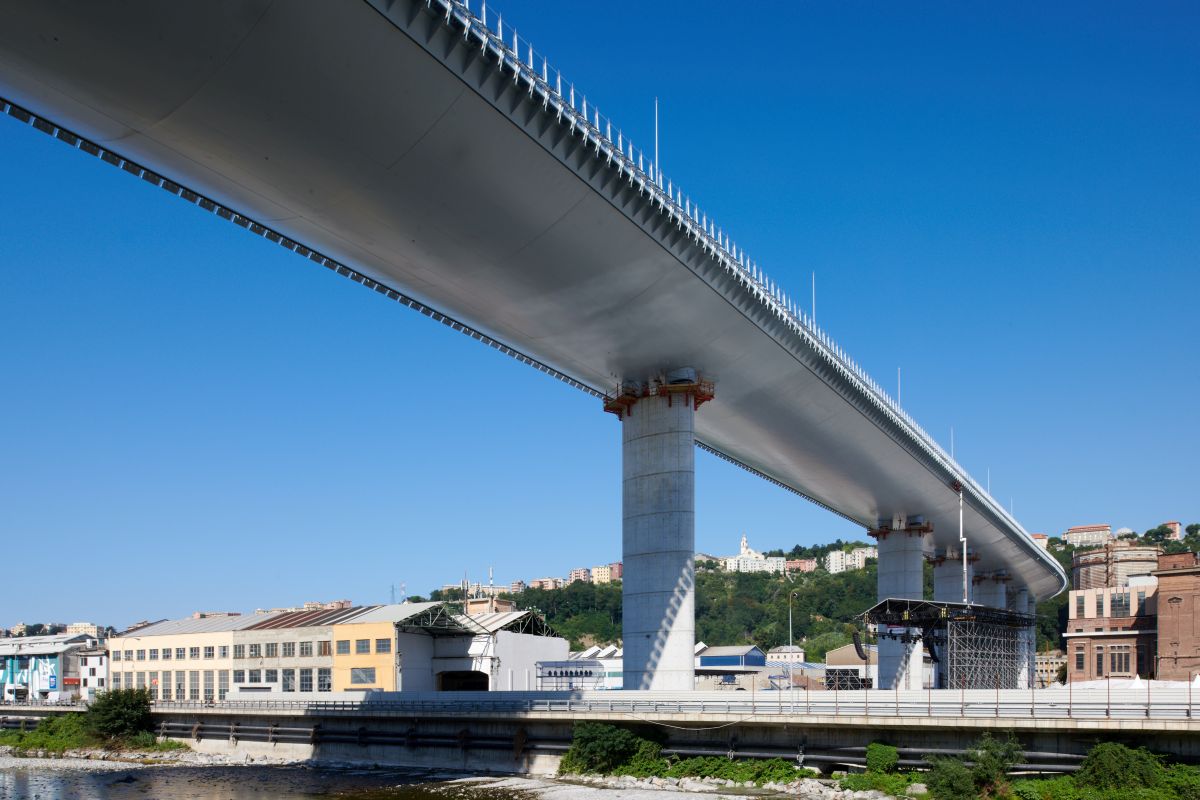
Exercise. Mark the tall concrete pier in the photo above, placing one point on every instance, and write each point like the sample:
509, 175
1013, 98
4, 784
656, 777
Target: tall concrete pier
659, 529
902, 547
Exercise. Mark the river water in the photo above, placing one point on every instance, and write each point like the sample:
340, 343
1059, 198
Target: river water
234, 783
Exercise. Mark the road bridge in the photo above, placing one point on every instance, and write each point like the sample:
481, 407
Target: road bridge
432, 155
528, 731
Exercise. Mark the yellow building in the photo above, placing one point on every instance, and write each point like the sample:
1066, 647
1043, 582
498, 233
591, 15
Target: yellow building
364, 656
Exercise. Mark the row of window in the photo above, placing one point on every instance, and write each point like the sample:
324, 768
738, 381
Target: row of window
1119, 659
266, 650
178, 685
181, 653
210, 684
1118, 604
362, 647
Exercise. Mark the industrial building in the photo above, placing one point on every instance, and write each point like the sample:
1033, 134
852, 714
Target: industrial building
1088, 535
1113, 564
41, 668
1178, 577
404, 646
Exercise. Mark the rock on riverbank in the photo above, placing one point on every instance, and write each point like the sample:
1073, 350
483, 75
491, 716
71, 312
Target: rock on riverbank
588, 787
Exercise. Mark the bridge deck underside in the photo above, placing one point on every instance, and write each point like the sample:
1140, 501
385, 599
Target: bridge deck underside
383, 138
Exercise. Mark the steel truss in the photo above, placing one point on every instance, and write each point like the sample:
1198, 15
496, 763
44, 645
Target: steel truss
974, 647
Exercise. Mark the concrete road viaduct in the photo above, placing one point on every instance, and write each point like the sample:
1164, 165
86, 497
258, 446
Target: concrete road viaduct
429, 153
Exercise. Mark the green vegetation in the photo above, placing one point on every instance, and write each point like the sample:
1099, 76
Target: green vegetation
118, 719
1111, 771
599, 748
882, 758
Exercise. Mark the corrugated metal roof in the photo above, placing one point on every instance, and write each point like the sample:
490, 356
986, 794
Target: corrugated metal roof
729, 650
396, 612
193, 625
495, 621
54, 643
310, 619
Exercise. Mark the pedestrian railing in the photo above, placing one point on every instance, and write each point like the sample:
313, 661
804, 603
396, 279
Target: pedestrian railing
1159, 704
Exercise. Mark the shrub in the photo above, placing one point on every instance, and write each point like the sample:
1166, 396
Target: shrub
994, 757
647, 761
949, 779
1059, 788
56, 734
1110, 765
1183, 781
882, 757
888, 783
120, 713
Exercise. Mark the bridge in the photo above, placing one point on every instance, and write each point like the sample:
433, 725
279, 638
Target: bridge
529, 731
426, 151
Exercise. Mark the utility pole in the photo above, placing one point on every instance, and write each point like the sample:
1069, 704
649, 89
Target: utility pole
962, 543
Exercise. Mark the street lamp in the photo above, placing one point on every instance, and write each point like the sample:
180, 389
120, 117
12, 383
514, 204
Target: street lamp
791, 595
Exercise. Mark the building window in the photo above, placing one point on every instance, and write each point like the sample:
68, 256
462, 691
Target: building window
1141, 600
209, 687
239, 651
165, 686
256, 651
1118, 657
305, 677
383, 645
305, 651
223, 684
272, 676
272, 650
1119, 604
116, 680
289, 649
362, 675
116, 656
1079, 658
166, 654
239, 676
210, 652
179, 689
153, 685
325, 648
343, 647
254, 676
129, 655
180, 653
194, 652
194, 683
154, 654
362, 647
223, 651
1099, 661
1080, 606
289, 680
100, 682
141, 655
324, 679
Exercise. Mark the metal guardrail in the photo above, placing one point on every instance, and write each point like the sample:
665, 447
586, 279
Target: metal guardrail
1163, 704
531, 68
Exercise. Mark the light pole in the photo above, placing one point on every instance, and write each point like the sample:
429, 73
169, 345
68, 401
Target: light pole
791, 595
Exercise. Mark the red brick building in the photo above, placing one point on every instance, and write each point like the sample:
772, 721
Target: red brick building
1178, 616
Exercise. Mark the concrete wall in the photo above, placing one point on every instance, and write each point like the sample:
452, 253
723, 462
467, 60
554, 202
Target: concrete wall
517, 656
415, 655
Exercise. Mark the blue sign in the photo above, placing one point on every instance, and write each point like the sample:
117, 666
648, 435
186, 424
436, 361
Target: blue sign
53, 681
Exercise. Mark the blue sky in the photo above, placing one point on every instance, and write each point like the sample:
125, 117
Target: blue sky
1002, 201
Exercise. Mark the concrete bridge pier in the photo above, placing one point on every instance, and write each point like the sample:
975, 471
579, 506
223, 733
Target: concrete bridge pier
902, 547
659, 528
991, 590
948, 576
1022, 601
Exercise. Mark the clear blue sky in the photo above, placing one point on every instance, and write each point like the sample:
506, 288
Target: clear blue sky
1004, 201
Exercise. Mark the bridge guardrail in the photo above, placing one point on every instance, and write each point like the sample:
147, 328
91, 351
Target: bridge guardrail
1163, 704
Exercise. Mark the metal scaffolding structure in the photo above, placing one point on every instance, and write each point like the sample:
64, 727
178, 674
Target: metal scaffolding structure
972, 646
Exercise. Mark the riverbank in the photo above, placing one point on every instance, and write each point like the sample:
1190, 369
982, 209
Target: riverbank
437, 783
630, 788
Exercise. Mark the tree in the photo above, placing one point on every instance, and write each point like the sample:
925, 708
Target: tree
120, 713
1157, 535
